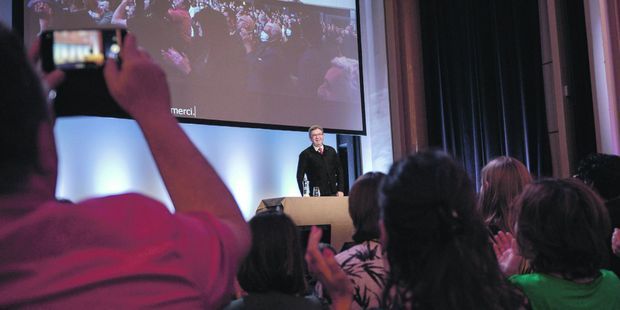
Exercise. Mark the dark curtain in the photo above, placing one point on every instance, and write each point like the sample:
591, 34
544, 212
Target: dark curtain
483, 82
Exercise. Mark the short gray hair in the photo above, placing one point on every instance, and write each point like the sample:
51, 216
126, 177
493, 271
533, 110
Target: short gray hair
351, 69
313, 128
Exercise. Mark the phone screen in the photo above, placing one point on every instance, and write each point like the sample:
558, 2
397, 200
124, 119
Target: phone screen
82, 49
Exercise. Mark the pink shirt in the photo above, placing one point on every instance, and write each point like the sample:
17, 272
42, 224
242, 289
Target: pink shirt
117, 252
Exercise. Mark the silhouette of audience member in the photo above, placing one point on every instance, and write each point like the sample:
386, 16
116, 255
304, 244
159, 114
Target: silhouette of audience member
363, 263
245, 28
273, 272
152, 23
341, 81
503, 179
124, 11
314, 61
118, 252
180, 18
602, 173
266, 70
98, 11
563, 231
435, 241
215, 62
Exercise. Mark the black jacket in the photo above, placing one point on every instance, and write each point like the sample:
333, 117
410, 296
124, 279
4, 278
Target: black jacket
324, 171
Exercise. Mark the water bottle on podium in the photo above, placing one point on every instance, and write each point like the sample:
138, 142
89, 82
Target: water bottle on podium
306, 186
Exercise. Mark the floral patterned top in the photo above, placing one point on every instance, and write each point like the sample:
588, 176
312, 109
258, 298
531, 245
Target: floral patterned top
364, 265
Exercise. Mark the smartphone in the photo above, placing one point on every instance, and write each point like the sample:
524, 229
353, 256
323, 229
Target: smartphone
79, 49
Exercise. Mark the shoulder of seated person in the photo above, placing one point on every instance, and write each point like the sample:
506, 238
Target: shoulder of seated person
126, 202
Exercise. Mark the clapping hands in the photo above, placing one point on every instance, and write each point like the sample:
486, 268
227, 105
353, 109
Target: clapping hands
324, 266
615, 242
507, 253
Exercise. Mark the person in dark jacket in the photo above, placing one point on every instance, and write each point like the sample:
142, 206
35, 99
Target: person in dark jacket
321, 165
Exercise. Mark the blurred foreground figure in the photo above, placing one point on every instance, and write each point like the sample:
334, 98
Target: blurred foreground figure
435, 242
118, 252
563, 233
602, 173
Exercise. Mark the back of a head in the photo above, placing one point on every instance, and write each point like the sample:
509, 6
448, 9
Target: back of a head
312, 30
351, 68
364, 206
437, 245
213, 25
563, 228
275, 261
22, 108
602, 172
504, 178
159, 8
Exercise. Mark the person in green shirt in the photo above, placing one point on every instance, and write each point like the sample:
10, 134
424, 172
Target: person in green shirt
562, 231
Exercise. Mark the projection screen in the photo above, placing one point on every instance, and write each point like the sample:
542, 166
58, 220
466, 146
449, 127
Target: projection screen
262, 63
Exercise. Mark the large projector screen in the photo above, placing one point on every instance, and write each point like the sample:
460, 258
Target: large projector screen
261, 63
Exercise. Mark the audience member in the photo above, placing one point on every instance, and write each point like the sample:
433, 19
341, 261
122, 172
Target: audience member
341, 81
98, 11
272, 274
363, 263
152, 17
563, 232
245, 27
215, 62
181, 20
125, 10
122, 251
314, 61
435, 241
266, 70
503, 179
602, 173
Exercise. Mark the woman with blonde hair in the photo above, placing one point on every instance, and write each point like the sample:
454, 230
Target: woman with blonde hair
503, 179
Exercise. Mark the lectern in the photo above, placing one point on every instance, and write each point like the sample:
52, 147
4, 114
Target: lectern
332, 211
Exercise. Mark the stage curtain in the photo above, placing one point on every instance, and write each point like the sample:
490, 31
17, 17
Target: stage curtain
483, 81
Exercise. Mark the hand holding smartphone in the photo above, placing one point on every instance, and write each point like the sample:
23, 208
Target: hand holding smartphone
80, 48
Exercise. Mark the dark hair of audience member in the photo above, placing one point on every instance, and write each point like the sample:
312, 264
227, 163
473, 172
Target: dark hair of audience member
312, 31
275, 261
602, 172
159, 8
437, 245
214, 26
503, 180
23, 109
563, 228
364, 206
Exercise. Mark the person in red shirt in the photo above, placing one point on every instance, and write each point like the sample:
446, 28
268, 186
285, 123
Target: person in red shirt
118, 252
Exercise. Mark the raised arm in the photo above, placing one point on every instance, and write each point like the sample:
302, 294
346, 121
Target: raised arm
615, 242
140, 88
326, 269
120, 14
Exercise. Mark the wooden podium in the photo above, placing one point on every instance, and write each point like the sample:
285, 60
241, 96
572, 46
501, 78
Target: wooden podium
333, 211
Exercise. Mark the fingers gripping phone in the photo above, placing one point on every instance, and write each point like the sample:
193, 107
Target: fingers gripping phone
79, 49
